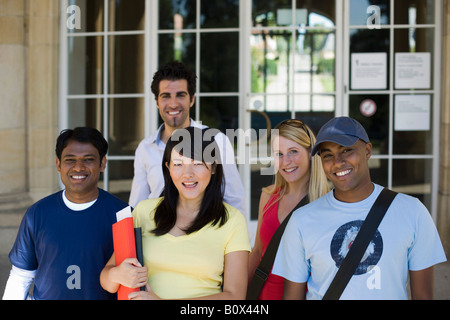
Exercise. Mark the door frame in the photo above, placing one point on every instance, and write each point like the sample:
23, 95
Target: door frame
245, 89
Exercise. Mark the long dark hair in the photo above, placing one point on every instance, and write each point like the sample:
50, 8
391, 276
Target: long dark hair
200, 145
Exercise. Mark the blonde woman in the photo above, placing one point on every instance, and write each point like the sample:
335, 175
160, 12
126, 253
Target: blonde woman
298, 175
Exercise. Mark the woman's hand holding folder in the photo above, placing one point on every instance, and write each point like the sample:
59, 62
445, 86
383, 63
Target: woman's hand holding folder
130, 273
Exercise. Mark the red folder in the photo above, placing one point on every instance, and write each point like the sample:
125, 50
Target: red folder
124, 247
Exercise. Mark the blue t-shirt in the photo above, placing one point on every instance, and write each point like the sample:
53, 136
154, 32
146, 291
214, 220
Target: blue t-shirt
319, 235
68, 249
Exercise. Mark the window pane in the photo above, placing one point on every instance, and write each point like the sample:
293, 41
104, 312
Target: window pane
366, 40
176, 14
267, 13
317, 103
219, 14
85, 113
379, 171
259, 181
314, 62
125, 131
370, 41
180, 47
413, 177
220, 112
91, 18
415, 41
372, 111
259, 121
261, 175
85, 65
323, 103
126, 15
270, 103
126, 64
324, 58
412, 124
362, 12
219, 62
279, 13
414, 11
270, 61
314, 120
303, 103
319, 13
120, 176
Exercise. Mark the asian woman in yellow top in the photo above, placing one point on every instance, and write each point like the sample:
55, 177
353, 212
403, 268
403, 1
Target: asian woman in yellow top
195, 246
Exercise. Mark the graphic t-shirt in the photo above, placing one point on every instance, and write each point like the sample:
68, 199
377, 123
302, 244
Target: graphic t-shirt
68, 249
319, 235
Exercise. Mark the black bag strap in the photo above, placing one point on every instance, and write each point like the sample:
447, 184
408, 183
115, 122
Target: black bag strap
265, 266
359, 246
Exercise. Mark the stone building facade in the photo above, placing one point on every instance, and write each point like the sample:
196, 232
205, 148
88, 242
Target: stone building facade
29, 112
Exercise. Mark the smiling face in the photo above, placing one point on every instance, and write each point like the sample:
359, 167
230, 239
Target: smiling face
174, 103
348, 169
292, 160
80, 167
190, 177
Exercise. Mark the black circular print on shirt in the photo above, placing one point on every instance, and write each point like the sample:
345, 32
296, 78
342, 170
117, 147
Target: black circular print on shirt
343, 240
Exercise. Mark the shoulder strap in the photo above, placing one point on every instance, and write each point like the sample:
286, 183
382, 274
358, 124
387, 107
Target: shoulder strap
265, 266
359, 246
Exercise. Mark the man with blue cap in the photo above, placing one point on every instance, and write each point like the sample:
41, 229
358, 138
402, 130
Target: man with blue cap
319, 235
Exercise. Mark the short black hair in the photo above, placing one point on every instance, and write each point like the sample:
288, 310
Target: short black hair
173, 71
84, 135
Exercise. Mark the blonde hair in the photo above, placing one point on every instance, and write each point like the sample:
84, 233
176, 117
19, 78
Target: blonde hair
299, 132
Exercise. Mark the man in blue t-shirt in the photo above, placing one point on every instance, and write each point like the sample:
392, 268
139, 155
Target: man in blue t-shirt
319, 235
65, 239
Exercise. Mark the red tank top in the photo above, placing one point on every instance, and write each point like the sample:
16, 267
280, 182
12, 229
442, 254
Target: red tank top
274, 285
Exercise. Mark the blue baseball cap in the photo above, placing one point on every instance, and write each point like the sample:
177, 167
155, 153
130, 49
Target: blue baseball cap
344, 131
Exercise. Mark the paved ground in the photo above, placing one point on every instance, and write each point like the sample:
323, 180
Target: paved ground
5, 266
442, 281
442, 278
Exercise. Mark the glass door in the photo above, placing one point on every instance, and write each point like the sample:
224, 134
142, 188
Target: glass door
258, 63
295, 73
392, 69
102, 78
108, 60
375, 61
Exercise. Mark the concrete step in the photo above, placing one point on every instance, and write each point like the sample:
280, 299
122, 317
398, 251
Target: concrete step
7, 238
9, 225
11, 219
12, 210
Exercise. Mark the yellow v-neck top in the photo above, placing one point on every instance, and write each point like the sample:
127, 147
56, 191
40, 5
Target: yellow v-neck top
188, 266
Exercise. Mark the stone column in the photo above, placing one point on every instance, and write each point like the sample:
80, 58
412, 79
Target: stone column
444, 187
42, 20
14, 197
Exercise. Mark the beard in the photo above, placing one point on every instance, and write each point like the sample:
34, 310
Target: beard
175, 121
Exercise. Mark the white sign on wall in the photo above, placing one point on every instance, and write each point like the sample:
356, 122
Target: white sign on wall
413, 70
412, 112
369, 71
